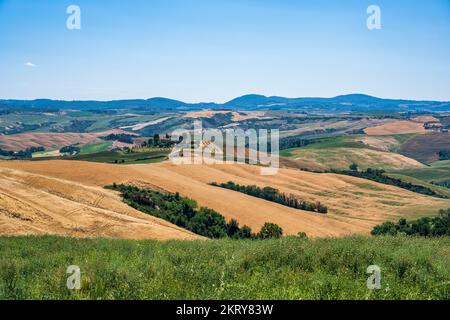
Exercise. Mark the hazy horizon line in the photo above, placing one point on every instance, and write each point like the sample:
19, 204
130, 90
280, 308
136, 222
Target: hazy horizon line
189, 101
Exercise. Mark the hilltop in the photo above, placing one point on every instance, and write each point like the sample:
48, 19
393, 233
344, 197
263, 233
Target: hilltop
349, 102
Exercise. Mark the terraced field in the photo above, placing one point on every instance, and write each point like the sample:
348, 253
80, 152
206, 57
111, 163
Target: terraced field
95, 148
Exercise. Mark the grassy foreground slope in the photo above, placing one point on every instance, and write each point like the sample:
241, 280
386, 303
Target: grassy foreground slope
288, 268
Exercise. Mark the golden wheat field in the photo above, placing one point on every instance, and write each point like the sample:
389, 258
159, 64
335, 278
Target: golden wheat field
67, 197
397, 127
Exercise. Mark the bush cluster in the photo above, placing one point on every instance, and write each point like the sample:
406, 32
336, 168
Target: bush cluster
22, 154
378, 175
274, 195
185, 213
425, 227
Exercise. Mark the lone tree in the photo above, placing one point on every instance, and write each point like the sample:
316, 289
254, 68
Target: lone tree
270, 230
302, 235
156, 139
353, 167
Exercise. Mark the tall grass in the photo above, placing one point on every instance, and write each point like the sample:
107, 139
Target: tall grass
288, 268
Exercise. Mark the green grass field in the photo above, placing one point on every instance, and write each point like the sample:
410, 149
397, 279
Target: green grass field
341, 151
149, 155
84, 150
46, 154
437, 171
441, 164
342, 158
348, 141
288, 268
441, 190
95, 148
327, 143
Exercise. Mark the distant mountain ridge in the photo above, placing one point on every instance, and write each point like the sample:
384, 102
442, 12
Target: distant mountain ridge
351, 102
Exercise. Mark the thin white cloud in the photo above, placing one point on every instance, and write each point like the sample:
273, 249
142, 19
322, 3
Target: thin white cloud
30, 64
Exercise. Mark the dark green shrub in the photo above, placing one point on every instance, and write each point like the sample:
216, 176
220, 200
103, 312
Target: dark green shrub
270, 230
425, 227
274, 195
183, 212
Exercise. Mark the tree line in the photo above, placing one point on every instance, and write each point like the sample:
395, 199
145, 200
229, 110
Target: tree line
424, 227
378, 175
274, 195
444, 155
294, 142
185, 213
157, 142
445, 184
121, 137
22, 154
70, 150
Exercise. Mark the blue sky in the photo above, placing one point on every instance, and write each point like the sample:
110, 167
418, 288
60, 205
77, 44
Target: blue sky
215, 50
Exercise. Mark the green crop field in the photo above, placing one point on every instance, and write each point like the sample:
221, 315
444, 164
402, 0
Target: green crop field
95, 148
441, 190
149, 155
287, 268
349, 141
441, 164
46, 154
327, 143
437, 171
341, 151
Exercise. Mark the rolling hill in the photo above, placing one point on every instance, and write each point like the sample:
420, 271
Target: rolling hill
350, 102
51, 140
71, 192
425, 148
397, 127
342, 158
34, 204
365, 151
